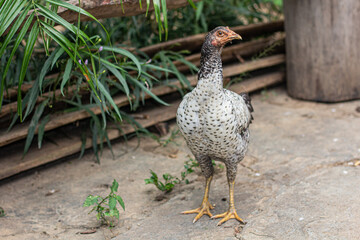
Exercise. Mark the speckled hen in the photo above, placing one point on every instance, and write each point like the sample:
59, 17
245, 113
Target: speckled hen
215, 121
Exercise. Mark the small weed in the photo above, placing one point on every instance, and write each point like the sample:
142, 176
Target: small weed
164, 142
106, 207
2, 212
167, 186
171, 181
189, 165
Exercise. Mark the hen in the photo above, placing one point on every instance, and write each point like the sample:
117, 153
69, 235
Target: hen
214, 121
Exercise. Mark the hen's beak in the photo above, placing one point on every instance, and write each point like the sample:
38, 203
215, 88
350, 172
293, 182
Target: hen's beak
233, 35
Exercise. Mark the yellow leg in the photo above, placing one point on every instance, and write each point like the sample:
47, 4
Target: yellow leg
231, 213
205, 205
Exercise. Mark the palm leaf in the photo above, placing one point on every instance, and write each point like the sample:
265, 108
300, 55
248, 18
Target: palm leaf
14, 29
164, 11
33, 124
41, 130
136, 82
66, 75
18, 40
109, 98
9, 11
127, 54
121, 79
27, 55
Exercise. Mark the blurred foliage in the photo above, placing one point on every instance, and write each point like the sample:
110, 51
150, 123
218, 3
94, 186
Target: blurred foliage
140, 31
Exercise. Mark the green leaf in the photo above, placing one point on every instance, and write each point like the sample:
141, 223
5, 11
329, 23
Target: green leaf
114, 213
127, 54
66, 75
121, 79
83, 145
114, 186
121, 202
147, 7
156, 4
191, 4
199, 9
148, 91
109, 98
18, 40
59, 52
112, 202
27, 55
31, 97
33, 124
41, 130
9, 13
14, 28
90, 200
159, 68
69, 48
164, 11
45, 69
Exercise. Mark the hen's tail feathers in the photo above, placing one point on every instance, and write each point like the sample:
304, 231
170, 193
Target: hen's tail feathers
247, 100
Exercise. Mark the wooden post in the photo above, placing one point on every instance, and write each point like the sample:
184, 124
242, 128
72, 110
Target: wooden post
323, 49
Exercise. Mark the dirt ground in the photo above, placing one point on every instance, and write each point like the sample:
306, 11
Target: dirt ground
299, 180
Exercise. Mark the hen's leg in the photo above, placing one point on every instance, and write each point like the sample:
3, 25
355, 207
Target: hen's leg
208, 171
231, 213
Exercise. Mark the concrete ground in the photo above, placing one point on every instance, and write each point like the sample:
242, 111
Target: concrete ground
299, 180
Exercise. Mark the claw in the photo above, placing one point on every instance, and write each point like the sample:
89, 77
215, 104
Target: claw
228, 215
203, 209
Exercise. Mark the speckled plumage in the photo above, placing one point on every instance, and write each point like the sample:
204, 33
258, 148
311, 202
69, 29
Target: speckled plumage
214, 121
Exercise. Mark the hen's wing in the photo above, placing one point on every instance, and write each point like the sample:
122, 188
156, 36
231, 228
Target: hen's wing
242, 108
247, 100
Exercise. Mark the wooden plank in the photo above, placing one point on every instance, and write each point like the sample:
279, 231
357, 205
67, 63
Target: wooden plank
20, 131
194, 42
113, 8
13, 163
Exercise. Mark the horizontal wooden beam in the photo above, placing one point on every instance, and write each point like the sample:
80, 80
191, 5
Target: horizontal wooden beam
113, 8
58, 147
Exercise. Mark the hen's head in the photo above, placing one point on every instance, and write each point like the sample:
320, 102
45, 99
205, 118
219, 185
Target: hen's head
219, 36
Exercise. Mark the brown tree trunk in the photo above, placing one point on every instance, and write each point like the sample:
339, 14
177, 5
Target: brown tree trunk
323, 49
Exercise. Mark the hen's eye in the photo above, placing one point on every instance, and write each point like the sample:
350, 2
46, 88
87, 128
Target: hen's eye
220, 34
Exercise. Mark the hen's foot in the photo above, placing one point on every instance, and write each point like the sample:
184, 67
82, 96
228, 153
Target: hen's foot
228, 215
203, 209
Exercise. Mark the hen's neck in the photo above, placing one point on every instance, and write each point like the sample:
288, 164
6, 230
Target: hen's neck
210, 73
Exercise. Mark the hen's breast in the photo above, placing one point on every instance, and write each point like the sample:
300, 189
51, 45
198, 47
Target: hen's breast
209, 125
